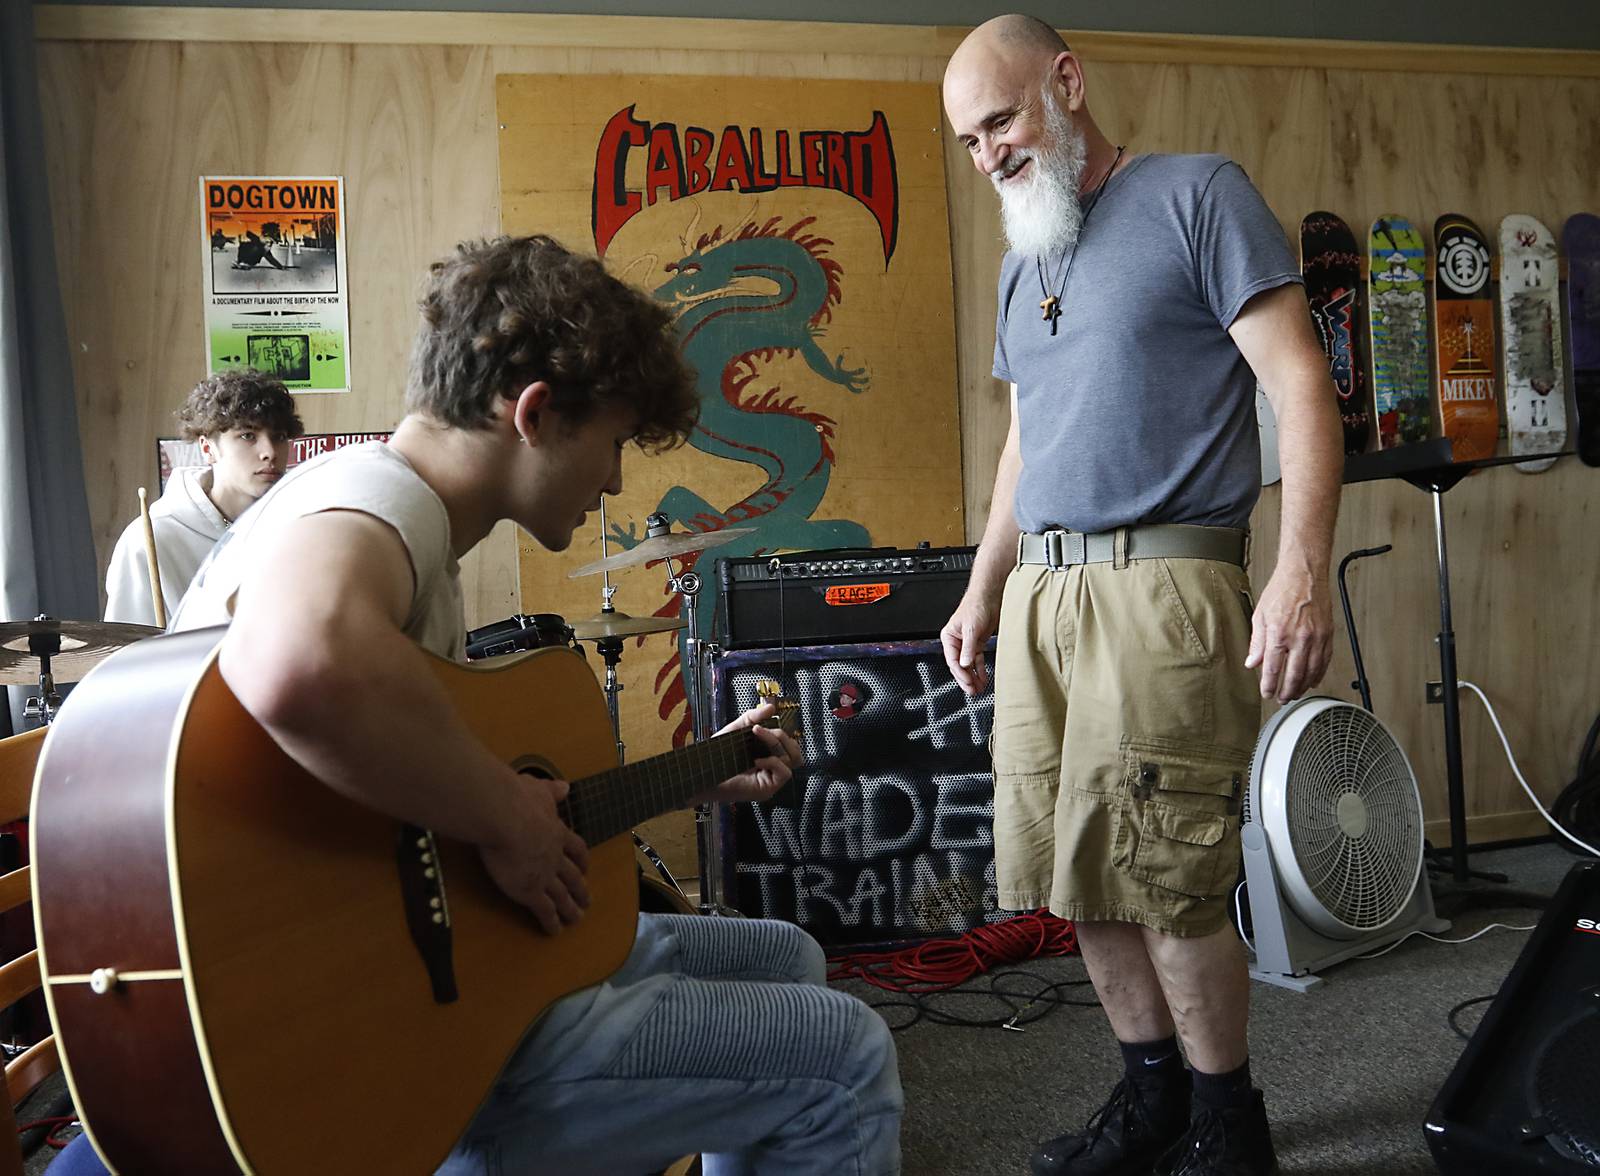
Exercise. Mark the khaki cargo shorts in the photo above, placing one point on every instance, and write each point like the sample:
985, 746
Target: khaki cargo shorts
1124, 724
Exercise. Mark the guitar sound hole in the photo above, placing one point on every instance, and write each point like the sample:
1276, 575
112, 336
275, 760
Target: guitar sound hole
536, 766
542, 769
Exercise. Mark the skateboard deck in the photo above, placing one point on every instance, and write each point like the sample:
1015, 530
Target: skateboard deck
1398, 314
1267, 423
1530, 318
1330, 261
1580, 239
1464, 339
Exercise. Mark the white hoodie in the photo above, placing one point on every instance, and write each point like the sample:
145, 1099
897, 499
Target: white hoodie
186, 524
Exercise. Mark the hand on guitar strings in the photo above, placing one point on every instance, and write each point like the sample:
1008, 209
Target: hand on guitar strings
769, 772
540, 861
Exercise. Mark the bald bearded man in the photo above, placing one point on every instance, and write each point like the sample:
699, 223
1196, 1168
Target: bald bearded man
1142, 297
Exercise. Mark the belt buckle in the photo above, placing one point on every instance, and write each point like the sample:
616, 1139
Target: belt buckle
1063, 549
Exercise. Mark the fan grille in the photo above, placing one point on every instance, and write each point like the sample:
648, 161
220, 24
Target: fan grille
1354, 817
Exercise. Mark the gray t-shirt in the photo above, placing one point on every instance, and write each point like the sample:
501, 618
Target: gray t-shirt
1140, 408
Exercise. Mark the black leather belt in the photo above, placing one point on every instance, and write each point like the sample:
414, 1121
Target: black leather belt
1066, 549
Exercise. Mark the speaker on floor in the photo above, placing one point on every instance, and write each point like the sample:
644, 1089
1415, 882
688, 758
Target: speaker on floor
1522, 1097
886, 833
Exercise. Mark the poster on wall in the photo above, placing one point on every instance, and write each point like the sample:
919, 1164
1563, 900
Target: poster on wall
174, 453
797, 230
276, 294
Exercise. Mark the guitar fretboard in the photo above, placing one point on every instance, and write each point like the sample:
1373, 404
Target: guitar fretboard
600, 807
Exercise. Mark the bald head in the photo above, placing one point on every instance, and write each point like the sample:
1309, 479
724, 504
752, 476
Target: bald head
1004, 56
1010, 41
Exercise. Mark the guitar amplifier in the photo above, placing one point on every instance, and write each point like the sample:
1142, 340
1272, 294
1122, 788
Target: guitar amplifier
838, 597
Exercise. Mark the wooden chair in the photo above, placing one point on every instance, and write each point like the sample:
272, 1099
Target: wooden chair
20, 976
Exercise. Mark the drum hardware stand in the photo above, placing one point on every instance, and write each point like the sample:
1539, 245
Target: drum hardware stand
43, 706
687, 585
1428, 466
610, 648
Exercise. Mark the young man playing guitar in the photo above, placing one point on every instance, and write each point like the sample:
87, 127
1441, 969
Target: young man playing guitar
532, 369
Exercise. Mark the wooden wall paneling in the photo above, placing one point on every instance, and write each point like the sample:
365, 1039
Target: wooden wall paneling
133, 126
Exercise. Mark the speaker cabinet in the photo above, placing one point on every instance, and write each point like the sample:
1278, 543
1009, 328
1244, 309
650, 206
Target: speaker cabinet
886, 834
1522, 1098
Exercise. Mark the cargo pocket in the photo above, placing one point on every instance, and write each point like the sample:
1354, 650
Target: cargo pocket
1178, 820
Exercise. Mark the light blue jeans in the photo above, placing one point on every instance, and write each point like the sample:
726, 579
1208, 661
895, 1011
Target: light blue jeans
717, 1035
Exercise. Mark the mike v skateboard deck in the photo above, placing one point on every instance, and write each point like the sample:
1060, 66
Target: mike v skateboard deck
1463, 315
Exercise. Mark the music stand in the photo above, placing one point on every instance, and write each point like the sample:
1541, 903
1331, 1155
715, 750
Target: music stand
1427, 465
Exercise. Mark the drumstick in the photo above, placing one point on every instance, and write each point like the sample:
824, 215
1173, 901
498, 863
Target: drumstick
150, 561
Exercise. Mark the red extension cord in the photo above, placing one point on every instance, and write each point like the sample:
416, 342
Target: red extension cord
940, 964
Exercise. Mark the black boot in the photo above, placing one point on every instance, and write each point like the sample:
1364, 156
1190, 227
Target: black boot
1138, 1123
1224, 1141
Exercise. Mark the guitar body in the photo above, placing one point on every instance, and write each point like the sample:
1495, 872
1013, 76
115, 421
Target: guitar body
272, 1011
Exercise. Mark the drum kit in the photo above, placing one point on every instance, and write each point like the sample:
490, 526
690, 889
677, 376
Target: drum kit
44, 651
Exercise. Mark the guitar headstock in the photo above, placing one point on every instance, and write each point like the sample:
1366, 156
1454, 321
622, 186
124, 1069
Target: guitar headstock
788, 717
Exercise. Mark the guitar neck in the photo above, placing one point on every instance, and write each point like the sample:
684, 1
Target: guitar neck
600, 807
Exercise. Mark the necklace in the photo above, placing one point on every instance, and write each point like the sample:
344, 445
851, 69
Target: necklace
1052, 302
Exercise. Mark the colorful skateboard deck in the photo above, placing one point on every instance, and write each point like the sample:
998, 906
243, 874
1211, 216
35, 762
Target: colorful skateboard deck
1398, 314
1530, 318
1463, 316
1580, 240
1267, 423
1331, 264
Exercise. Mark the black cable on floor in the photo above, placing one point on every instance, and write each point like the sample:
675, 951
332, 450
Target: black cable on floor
1461, 1008
1022, 1008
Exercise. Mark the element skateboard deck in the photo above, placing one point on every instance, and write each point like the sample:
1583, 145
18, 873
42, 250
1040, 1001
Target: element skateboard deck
1331, 264
1398, 312
1580, 239
1530, 318
1267, 424
1464, 339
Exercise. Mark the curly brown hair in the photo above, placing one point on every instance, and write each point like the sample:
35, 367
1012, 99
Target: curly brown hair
500, 315
239, 398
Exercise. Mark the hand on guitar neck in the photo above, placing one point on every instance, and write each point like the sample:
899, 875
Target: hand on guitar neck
770, 723
540, 862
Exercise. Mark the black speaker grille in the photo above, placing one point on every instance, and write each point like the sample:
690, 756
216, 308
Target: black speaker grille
1566, 1077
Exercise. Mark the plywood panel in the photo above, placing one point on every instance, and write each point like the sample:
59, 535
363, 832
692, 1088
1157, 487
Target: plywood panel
131, 119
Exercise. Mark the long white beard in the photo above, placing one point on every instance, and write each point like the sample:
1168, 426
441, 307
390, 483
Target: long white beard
1042, 216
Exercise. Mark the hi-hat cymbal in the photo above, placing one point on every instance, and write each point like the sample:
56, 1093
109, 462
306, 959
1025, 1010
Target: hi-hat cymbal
660, 547
620, 624
74, 647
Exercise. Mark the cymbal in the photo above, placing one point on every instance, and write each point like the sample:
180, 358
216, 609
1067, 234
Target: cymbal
620, 624
660, 547
82, 645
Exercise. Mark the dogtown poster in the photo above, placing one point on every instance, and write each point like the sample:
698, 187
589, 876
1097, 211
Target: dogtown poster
276, 293
797, 230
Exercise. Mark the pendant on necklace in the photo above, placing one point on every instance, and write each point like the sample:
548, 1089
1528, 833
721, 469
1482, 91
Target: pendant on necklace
1052, 311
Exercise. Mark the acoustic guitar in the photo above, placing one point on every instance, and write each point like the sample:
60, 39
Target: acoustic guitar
248, 972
